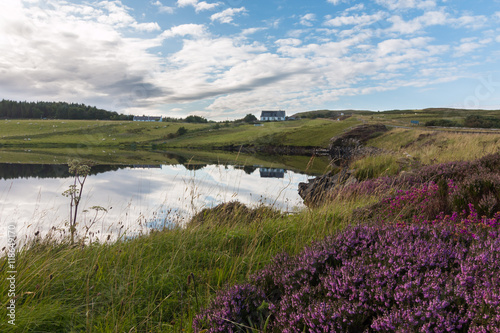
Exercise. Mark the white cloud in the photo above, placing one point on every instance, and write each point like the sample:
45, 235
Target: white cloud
251, 31
162, 8
307, 19
417, 24
468, 45
60, 54
401, 45
149, 27
407, 4
359, 6
359, 20
432, 18
288, 42
465, 48
296, 33
203, 5
469, 21
194, 30
198, 5
336, 2
227, 15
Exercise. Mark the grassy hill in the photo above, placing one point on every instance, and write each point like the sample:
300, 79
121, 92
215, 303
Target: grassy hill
301, 133
57, 133
404, 117
72, 133
314, 129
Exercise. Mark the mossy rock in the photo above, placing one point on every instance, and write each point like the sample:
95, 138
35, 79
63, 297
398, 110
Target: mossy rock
231, 213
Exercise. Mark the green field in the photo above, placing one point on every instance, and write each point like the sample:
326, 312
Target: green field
307, 132
300, 133
58, 133
52, 133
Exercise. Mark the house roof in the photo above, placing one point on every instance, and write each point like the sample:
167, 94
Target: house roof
273, 113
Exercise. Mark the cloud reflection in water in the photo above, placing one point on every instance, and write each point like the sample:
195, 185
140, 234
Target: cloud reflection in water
141, 198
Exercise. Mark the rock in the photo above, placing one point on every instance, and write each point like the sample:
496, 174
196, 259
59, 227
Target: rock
342, 150
317, 190
345, 147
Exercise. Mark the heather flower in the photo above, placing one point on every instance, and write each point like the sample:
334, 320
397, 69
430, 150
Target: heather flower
368, 279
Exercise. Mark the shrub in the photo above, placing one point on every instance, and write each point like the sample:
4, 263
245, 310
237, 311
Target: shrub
442, 123
482, 121
231, 213
181, 131
481, 191
367, 279
433, 190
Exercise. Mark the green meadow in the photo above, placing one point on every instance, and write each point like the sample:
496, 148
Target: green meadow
300, 133
83, 133
94, 133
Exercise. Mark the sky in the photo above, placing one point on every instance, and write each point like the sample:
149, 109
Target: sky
225, 59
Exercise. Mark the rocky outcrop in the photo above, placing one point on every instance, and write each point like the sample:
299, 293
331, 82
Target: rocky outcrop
319, 189
345, 147
342, 150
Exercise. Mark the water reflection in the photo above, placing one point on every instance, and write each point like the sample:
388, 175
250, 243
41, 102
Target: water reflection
15, 171
272, 173
136, 197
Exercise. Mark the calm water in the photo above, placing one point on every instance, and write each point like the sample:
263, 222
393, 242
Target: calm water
137, 198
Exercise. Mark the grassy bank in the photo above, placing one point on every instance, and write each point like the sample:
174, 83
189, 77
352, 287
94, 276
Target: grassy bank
156, 282
404, 149
188, 158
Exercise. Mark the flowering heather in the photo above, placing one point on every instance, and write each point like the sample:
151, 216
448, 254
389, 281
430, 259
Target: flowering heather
458, 171
368, 279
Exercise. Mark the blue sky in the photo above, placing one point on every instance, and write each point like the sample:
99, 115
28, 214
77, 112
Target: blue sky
225, 59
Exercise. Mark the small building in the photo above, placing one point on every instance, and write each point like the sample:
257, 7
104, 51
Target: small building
273, 115
147, 118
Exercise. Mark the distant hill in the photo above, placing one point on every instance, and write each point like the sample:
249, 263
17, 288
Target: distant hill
56, 110
429, 112
330, 113
440, 117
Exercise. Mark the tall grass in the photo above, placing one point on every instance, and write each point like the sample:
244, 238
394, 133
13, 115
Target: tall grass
438, 146
405, 149
155, 282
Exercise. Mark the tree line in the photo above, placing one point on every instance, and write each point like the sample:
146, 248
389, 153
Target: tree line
62, 110
56, 110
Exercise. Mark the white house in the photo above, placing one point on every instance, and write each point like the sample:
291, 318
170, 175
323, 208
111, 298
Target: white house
273, 115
